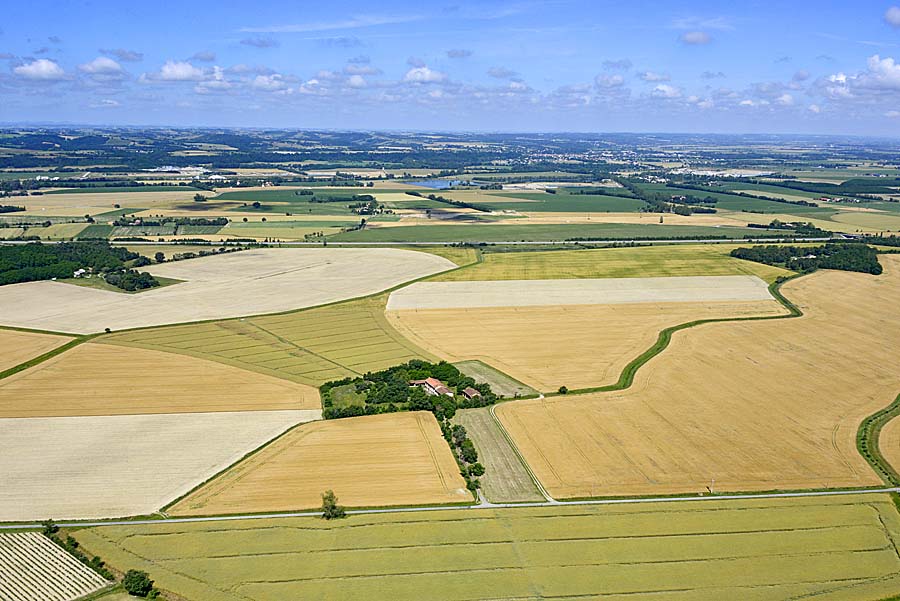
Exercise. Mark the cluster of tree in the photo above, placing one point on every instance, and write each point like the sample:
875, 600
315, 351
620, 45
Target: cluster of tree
11, 209
458, 203
491, 186
70, 545
369, 207
882, 240
138, 584
131, 279
843, 256
804, 229
801, 203
37, 261
465, 453
330, 508
389, 390
857, 187
355, 198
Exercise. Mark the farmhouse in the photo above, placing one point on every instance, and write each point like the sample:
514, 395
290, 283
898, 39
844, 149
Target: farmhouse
470, 393
432, 386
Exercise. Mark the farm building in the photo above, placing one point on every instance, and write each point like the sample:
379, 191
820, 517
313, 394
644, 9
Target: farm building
470, 393
433, 386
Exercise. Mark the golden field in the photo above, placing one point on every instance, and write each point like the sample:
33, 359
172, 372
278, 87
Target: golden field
578, 346
377, 460
753, 405
18, 347
101, 379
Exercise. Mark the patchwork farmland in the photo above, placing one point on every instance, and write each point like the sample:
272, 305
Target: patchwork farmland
837, 548
377, 460
19, 347
33, 568
731, 406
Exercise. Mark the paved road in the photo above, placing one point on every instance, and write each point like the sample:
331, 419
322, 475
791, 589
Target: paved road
480, 506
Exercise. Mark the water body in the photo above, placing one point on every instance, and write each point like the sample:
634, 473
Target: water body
439, 184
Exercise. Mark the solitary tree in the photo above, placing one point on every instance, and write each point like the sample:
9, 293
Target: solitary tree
137, 583
330, 508
563, 390
160, 257
199, 197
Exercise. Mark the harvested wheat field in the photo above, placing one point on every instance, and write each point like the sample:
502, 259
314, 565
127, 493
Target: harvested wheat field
230, 285
388, 459
102, 379
34, 568
578, 346
112, 466
604, 291
733, 406
18, 347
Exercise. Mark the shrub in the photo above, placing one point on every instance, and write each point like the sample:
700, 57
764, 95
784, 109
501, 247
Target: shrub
330, 508
137, 583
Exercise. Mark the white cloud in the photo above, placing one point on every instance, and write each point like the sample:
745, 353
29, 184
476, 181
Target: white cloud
40, 70
785, 100
696, 38
269, 83
892, 16
215, 82
814, 108
884, 73
666, 91
605, 80
356, 81
101, 66
175, 71
892, 114
424, 75
651, 76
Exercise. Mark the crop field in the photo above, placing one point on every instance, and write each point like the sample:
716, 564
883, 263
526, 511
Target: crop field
217, 287
34, 568
102, 379
646, 261
562, 201
289, 230
732, 406
559, 232
835, 549
57, 231
18, 347
505, 480
311, 346
114, 466
578, 346
599, 291
376, 460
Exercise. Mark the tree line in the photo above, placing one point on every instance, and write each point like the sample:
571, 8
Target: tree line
844, 256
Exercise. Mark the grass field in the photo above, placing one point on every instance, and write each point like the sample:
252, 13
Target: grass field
18, 347
732, 406
121, 465
102, 379
511, 233
388, 459
545, 347
838, 548
57, 231
311, 346
562, 201
506, 479
500, 383
646, 261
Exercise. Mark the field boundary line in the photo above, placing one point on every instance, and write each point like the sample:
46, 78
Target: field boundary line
48, 355
868, 439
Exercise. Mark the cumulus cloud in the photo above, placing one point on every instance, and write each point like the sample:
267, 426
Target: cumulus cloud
892, 16
666, 91
424, 75
651, 76
800, 75
785, 100
502, 73
214, 81
814, 108
269, 83
892, 114
124, 55
696, 38
260, 42
100, 66
356, 81
622, 64
883, 74
175, 71
41, 69
604, 80
459, 53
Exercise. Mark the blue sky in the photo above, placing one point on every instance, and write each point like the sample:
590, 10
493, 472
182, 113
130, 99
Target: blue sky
804, 67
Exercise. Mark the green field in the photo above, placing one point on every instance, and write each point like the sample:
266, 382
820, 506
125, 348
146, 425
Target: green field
505, 480
563, 202
287, 201
515, 233
732, 202
310, 346
645, 261
292, 230
832, 548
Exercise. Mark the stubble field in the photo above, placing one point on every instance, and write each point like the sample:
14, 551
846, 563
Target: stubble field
101, 379
19, 347
376, 460
732, 406
833, 549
